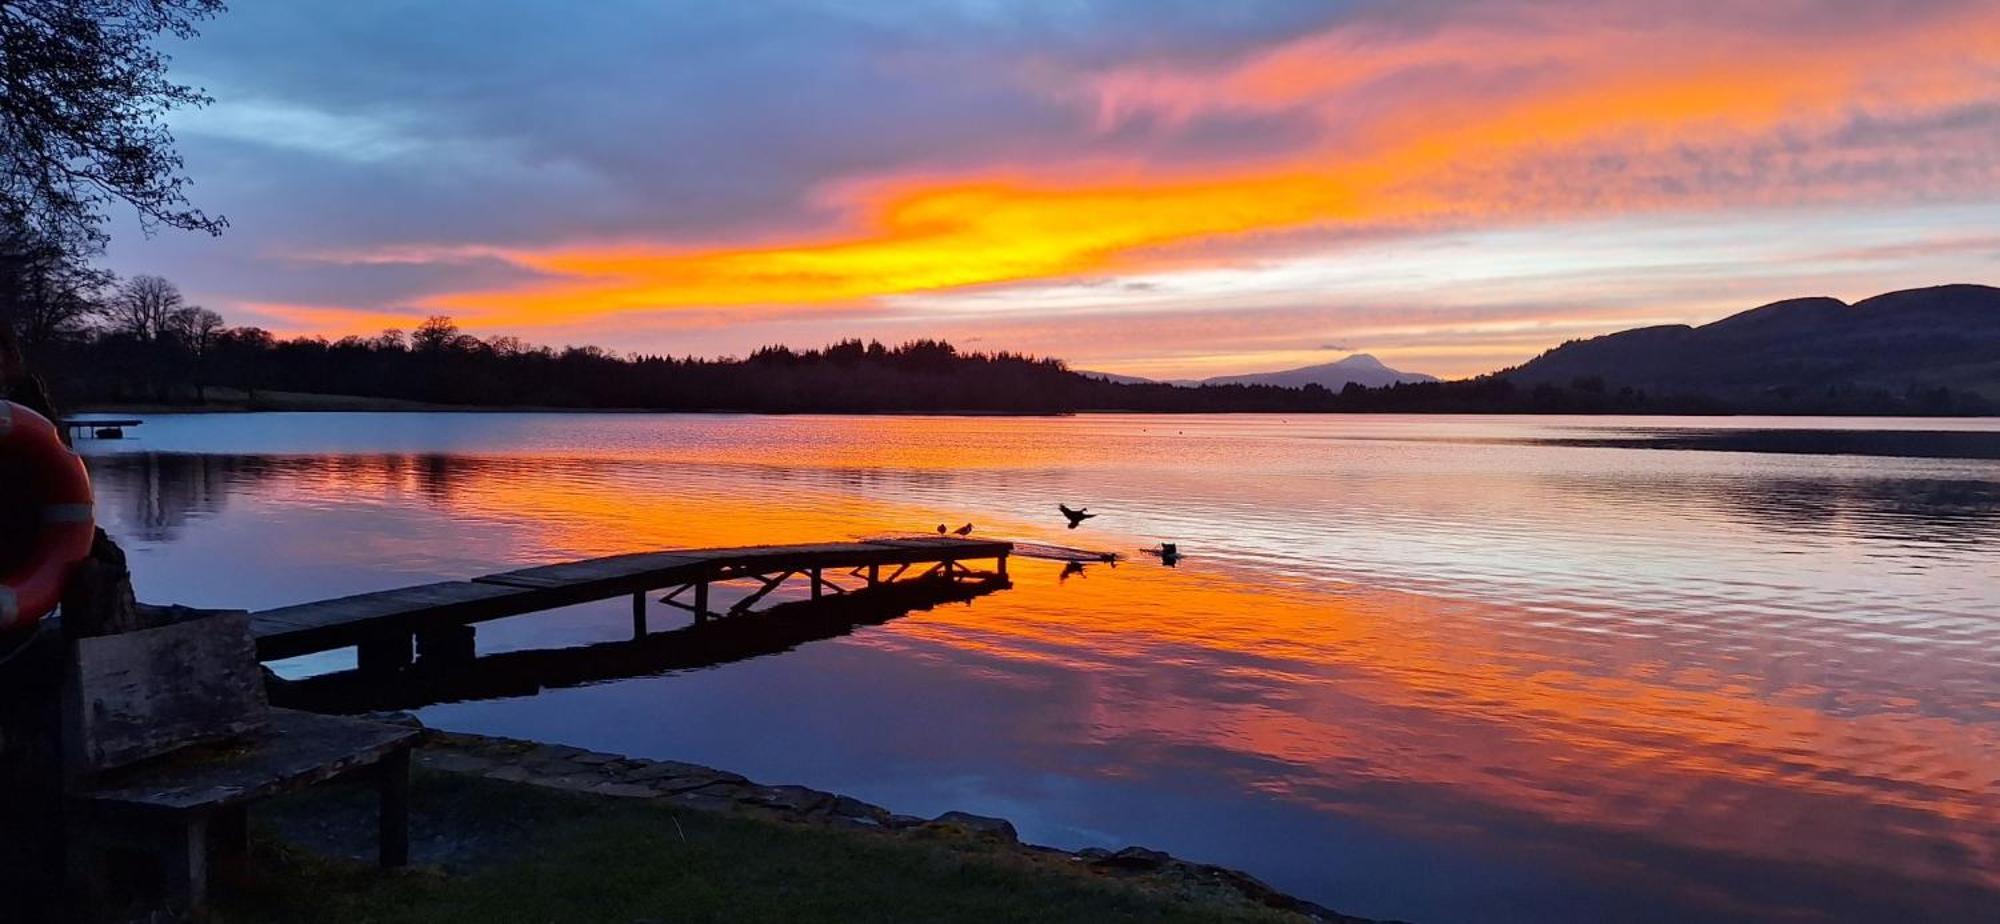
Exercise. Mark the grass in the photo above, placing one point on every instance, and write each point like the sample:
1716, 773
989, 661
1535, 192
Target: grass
532, 855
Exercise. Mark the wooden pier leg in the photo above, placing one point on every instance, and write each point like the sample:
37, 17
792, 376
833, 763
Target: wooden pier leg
385, 653
814, 574
874, 575
701, 601
447, 644
639, 615
1003, 566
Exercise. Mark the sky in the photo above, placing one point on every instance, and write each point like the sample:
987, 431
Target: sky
1168, 188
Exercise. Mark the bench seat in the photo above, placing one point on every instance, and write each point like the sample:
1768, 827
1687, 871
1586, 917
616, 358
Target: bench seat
293, 751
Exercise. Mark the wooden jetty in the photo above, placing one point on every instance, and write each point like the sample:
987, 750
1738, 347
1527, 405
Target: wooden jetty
89, 426
389, 627
507, 674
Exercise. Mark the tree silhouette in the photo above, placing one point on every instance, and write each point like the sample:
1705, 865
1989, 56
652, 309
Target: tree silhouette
85, 90
437, 334
143, 307
46, 292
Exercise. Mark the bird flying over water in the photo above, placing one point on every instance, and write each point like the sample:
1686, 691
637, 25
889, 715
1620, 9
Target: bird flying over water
1075, 516
965, 530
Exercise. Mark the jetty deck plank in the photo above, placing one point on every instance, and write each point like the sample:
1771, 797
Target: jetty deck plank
612, 573
309, 627
338, 623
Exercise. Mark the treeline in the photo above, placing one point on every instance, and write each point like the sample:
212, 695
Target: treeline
139, 342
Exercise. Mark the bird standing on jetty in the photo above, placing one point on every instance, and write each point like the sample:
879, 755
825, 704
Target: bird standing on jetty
965, 530
1076, 517
941, 529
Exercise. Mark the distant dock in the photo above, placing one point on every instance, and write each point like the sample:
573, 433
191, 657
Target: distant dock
92, 426
390, 627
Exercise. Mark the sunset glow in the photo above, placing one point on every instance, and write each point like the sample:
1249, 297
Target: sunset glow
1130, 178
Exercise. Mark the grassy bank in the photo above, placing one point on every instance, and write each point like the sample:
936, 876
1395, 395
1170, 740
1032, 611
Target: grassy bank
491, 851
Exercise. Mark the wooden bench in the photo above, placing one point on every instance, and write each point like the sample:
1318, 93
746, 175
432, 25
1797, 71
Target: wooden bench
171, 739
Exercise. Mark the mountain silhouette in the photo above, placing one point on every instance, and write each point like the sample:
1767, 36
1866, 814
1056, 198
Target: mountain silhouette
1360, 368
1943, 337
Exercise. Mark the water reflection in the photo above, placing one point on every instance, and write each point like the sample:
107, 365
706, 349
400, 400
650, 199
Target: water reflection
1489, 678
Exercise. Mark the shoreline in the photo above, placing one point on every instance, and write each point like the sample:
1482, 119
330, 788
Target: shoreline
398, 406
692, 786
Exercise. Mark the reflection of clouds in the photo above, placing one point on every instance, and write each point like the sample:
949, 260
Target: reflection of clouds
1902, 511
1695, 663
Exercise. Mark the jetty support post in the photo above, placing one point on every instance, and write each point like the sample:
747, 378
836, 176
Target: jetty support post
453, 643
874, 575
814, 574
385, 653
701, 600
1001, 565
638, 614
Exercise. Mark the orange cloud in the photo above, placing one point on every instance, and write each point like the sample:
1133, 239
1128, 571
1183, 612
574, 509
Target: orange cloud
1493, 121
315, 318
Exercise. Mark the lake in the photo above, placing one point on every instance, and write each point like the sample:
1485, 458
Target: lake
1431, 668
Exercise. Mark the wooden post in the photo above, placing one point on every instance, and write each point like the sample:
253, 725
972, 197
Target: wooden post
393, 782
814, 573
1003, 566
384, 654
639, 614
874, 575
701, 601
447, 644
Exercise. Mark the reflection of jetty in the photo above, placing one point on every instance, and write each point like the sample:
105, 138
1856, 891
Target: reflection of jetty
719, 641
438, 617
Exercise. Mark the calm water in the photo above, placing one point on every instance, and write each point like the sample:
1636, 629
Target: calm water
1443, 669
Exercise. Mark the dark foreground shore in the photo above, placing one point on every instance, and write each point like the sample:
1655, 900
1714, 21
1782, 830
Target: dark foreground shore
507, 830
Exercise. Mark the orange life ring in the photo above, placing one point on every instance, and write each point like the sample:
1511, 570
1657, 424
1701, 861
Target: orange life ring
44, 486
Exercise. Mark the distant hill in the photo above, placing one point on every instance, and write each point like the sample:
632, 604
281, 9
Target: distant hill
1359, 368
1944, 339
1116, 379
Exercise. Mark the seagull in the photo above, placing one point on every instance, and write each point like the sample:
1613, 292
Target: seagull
1075, 516
965, 530
941, 529
1074, 567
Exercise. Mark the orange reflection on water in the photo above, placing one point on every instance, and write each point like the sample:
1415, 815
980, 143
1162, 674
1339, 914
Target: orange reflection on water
1327, 688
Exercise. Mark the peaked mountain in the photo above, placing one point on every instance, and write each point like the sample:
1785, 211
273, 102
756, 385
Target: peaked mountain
1360, 368
1943, 337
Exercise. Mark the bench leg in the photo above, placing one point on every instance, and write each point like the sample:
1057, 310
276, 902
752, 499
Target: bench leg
184, 864
229, 845
393, 779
